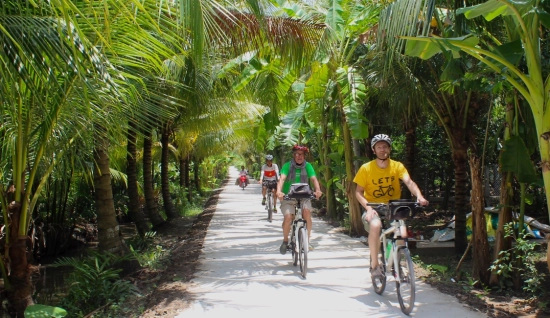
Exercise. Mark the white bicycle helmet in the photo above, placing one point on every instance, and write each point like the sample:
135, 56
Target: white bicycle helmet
269, 157
380, 137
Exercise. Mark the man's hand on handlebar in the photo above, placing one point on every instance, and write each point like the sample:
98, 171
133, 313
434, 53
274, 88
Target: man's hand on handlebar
423, 202
318, 194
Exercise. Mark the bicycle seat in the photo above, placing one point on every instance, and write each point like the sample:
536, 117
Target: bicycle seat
402, 209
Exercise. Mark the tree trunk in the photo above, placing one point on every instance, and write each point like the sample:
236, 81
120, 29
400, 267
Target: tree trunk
329, 191
480, 244
410, 141
169, 208
148, 189
134, 207
188, 180
108, 229
196, 176
460, 160
19, 288
356, 225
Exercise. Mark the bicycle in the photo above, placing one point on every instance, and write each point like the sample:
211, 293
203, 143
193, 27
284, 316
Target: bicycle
298, 242
395, 251
269, 203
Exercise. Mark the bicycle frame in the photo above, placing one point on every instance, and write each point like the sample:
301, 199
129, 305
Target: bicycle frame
298, 223
395, 228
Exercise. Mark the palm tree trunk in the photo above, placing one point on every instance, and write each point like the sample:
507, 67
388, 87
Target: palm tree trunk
410, 140
480, 244
134, 208
460, 160
148, 189
19, 287
169, 208
329, 191
108, 229
356, 225
187, 180
196, 176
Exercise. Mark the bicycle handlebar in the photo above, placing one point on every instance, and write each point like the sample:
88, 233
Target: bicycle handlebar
397, 209
301, 197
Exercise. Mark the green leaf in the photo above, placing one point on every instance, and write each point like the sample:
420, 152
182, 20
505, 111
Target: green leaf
515, 158
426, 47
422, 49
511, 51
489, 10
317, 82
544, 17
43, 311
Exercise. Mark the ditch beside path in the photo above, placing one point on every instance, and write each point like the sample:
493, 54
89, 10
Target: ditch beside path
241, 271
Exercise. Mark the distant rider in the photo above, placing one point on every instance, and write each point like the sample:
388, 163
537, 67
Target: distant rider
268, 179
244, 172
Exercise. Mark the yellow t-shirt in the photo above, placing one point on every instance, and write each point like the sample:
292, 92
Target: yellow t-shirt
381, 185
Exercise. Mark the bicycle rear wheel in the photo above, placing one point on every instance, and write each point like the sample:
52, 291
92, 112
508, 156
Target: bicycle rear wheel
303, 248
405, 284
269, 206
379, 283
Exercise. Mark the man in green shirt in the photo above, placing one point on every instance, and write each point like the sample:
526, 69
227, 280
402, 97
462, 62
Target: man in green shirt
298, 170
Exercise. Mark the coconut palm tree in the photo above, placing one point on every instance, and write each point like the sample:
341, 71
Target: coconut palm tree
46, 98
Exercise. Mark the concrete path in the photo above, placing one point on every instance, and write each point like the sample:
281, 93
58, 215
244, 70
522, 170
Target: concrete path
242, 273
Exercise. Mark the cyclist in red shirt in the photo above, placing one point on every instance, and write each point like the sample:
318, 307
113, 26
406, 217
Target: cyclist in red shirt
268, 179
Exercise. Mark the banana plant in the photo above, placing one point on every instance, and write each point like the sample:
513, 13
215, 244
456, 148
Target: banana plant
531, 80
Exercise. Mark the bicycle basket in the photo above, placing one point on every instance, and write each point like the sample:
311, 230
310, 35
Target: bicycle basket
401, 209
300, 191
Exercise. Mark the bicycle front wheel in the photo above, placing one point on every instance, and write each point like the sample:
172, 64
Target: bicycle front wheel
379, 283
269, 207
294, 249
405, 281
303, 248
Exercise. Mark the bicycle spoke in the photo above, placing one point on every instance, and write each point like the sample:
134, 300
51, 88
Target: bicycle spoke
405, 283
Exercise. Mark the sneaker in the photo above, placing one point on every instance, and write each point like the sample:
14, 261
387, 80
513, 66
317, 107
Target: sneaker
274, 210
310, 248
263, 201
376, 272
283, 248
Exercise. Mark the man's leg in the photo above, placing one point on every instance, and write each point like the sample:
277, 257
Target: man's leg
263, 194
374, 240
274, 196
287, 207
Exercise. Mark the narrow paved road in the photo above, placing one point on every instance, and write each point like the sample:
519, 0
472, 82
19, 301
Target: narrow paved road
242, 273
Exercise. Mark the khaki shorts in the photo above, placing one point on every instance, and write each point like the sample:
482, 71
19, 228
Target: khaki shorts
366, 224
287, 206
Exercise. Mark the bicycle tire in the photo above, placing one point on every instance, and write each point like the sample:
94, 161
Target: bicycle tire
293, 246
269, 207
405, 285
379, 283
303, 248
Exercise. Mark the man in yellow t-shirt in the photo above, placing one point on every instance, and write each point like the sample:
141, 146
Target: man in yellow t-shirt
378, 182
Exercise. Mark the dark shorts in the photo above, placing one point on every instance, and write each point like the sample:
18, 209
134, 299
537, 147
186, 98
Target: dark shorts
270, 184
